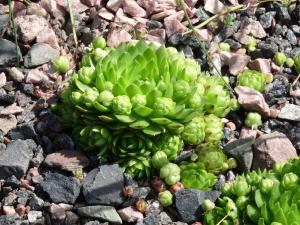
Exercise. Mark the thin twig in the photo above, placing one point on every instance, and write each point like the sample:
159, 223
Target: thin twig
222, 219
209, 20
295, 81
11, 18
72, 23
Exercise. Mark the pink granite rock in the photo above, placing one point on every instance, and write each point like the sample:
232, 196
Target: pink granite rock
260, 64
117, 36
214, 6
132, 8
48, 36
173, 26
129, 214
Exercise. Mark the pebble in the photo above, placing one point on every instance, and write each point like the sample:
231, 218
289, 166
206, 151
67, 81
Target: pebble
241, 150
69, 160
106, 213
60, 188
129, 214
29, 26
290, 112
15, 160
104, 185
32, 216
272, 148
282, 13
201, 14
188, 203
267, 49
39, 54
7, 123
266, 19
8, 54
291, 37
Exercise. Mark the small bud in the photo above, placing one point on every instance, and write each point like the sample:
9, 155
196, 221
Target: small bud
159, 159
253, 120
176, 187
61, 64
54, 106
289, 62
165, 198
224, 47
266, 185
128, 191
99, 42
241, 202
141, 205
240, 188
208, 205
289, 180
158, 184
279, 58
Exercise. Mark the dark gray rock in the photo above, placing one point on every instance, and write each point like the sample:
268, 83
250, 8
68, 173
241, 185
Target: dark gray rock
60, 188
27, 88
9, 220
295, 137
39, 54
188, 203
104, 185
63, 141
7, 99
187, 50
4, 19
152, 219
8, 53
266, 19
154, 24
294, 52
279, 88
35, 202
106, 213
278, 29
220, 182
23, 196
282, 13
241, 150
267, 49
23, 131
291, 37
14, 160
94, 223
202, 14
228, 31
296, 12
295, 29
13, 182
233, 44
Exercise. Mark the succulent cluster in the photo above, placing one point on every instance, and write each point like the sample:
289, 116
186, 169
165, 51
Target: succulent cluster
261, 197
252, 79
140, 101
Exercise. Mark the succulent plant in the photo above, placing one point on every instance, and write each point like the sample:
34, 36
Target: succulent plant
93, 138
251, 46
279, 58
130, 144
213, 129
159, 159
194, 175
208, 205
194, 131
61, 64
224, 46
165, 198
213, 158
170, 144
289, 62
140, 101
138, 167
297, 63
252, 79
253, 120
263, 198
170, 173
216, 97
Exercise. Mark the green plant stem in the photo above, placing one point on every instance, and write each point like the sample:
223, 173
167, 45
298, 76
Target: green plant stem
222, 219
201, 44
72, 22
11, 18
204, 23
